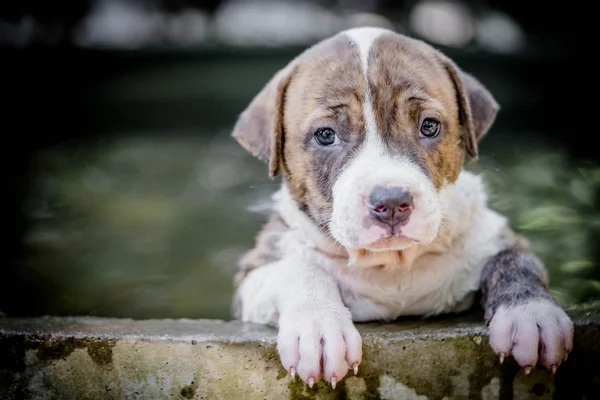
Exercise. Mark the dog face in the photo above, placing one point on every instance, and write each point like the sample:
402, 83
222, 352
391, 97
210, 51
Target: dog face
370, 130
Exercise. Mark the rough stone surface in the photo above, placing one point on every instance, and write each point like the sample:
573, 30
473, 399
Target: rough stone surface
95, 358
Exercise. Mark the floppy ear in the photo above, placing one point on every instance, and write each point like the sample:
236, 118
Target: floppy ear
477, 106
259, 128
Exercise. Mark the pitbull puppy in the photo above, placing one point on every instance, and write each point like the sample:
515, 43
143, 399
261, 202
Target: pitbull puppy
376, 218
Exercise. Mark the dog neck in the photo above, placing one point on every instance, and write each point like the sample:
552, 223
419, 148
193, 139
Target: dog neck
454, 223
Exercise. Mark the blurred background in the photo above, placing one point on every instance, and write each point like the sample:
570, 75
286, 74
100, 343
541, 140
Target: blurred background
128, 198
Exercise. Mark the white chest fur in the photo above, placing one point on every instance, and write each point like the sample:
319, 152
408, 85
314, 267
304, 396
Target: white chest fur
441, 277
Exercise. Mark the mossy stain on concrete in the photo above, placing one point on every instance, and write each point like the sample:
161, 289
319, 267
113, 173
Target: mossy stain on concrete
270, 354
48, 348
188, 391
101, 351
53, 348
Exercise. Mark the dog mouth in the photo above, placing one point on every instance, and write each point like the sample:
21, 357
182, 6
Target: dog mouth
376, 236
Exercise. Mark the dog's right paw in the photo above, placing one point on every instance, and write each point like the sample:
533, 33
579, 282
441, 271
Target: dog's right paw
319, 343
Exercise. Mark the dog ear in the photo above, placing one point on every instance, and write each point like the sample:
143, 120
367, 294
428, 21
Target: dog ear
259, 128
477, 106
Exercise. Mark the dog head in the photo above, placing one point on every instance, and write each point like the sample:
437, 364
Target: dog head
370, 130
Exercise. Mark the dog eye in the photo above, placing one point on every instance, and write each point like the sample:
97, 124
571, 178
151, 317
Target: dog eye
430, 128
325, 136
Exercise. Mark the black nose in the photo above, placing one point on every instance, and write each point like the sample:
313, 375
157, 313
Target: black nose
390, 205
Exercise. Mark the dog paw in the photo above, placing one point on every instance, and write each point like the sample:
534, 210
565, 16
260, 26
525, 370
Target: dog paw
315, 344
538, 331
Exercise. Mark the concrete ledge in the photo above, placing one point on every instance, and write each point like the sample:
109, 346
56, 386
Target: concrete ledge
95, 358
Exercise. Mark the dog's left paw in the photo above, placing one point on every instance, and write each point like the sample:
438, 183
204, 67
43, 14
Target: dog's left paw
535, 331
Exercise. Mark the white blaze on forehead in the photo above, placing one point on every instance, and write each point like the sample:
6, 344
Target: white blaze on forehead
363, 39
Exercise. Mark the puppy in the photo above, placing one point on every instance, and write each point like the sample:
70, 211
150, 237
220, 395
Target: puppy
376, 218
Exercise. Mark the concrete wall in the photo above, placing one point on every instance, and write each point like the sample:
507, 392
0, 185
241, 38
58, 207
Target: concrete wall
95, 358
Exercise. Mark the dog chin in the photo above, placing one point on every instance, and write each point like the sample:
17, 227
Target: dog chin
390, 243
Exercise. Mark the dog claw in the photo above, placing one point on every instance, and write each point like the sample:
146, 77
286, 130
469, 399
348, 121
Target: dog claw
566, 356
355, 368
311, 382
527, 369
501, 356
333, 381
293, 373
553, 369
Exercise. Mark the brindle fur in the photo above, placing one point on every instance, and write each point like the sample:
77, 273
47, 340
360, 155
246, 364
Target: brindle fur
512, 277
265, 251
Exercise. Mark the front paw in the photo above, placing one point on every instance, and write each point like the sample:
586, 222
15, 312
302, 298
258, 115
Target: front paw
319, 343
531, 332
